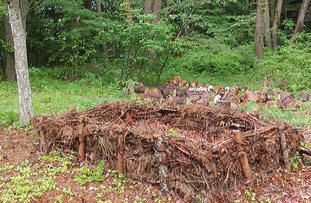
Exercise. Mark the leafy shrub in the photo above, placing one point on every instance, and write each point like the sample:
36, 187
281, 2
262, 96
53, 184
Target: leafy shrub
214, 58
291, 63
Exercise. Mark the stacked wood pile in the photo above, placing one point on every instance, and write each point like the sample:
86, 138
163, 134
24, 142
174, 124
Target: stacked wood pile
178, 91
187, 149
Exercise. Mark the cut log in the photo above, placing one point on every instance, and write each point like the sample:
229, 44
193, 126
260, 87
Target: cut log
223, 104
242, 155
284, 148
81, 151
161, 156
121, 147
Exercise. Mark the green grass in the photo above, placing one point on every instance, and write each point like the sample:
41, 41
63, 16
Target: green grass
51, 95
276, 113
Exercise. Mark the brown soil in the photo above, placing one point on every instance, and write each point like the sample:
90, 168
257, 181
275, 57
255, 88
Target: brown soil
17, 145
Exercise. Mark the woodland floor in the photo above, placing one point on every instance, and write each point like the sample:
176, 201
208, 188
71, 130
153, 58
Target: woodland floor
16, 146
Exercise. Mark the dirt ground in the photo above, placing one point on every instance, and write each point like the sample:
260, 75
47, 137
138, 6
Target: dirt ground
17, 146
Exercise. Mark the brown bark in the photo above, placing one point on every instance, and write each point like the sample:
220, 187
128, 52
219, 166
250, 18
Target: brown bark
156, 11
147, 10
81, 151
267, 25
43, 142
275, 23
301, 19
121, 148
21, 62
284, 148
258, 32
87, 4
128, 10
99, 11
242, 155
10, 64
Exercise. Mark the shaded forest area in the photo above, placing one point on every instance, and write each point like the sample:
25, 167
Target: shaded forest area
152, 41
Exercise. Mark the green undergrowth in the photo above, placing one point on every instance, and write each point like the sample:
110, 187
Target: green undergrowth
52, 94
26, 180
29, 181
292, 115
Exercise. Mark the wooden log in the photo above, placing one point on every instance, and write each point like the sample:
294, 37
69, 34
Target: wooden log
285, 152
121, 148
242, 155
161, 156
43, 143
223, 104
81, 150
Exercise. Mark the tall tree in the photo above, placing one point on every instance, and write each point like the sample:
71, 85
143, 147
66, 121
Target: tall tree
128, 10
99, 11
156, 11
258, 30
9, 55
301, 18
10, 65
21, 63
276, 20
267, 25
147, 10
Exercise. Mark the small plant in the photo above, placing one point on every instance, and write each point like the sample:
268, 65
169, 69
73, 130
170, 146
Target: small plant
88, 175
198, 198
67, 191
295, 160
172, 131
250, 195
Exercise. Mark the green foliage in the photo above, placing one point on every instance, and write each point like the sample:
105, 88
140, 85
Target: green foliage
88, 176
71, 32
215, 58
26, 181
292, 63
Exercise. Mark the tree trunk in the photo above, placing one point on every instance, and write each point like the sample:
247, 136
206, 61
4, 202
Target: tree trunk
99, 11
156, 11
258, 33
24, 5
301, 18
10, 64
87, 4
277, 18
147, 9
21, 63
267, 25
128, 9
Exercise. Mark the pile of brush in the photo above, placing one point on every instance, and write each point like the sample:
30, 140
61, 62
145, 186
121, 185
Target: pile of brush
187, 149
